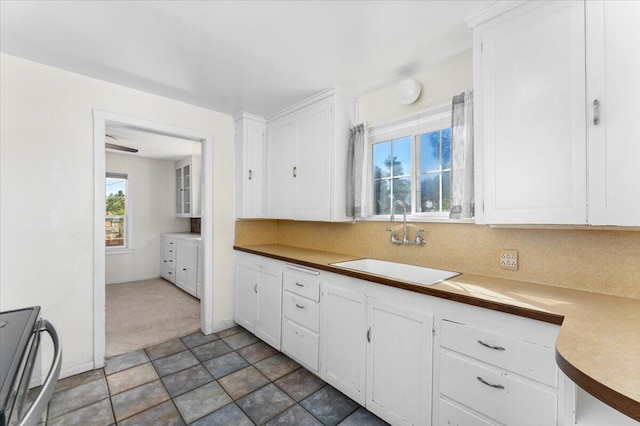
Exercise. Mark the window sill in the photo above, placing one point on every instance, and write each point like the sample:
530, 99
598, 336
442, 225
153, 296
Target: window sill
111, 251
422, 219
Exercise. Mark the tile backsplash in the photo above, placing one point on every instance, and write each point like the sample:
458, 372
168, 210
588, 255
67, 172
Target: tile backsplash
601, 261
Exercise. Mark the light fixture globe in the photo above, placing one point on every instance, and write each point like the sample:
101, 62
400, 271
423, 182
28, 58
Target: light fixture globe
408, 91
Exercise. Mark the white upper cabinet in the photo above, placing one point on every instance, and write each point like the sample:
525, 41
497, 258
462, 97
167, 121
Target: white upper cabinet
250, 132
530, 105
613, 70
188, 186
306, 159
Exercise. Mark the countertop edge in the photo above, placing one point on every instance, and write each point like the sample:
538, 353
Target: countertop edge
627, 406
599, 390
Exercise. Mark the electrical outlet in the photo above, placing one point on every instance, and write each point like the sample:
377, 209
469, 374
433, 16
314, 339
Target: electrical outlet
509, 259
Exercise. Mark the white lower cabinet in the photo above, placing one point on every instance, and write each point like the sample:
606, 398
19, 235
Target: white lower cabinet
378, 353
376, 345
343, 340
301, 315
496, 368
187, 266
180, 261
399, 363
258, 290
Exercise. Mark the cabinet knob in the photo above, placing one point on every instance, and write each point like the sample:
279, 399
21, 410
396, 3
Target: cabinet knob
184, 269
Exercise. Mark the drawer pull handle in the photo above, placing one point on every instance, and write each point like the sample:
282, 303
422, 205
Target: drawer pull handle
255, 288
484, 382
299, 306
369, 335
299, 285
497, 348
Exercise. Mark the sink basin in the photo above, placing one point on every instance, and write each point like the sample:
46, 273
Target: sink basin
398, 271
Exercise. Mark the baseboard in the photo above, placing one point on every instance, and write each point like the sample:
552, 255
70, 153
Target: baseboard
132, 280
38, 381
223, 325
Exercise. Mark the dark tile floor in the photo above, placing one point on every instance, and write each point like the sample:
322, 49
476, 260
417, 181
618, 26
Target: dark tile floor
228, 378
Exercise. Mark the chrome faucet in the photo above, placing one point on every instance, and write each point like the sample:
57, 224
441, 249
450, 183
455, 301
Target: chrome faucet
419, 240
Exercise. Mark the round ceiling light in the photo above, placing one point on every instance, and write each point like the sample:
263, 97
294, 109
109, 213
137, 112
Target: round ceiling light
408, 91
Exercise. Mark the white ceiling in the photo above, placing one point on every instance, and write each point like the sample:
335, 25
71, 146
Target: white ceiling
230, 56
151, 145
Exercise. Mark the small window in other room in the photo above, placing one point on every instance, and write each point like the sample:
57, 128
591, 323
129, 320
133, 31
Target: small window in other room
116, 222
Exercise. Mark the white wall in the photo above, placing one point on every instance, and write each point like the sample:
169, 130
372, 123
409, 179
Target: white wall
439, 84
46, 193
151, 191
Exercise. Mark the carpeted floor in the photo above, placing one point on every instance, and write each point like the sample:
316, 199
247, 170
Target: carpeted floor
145, 313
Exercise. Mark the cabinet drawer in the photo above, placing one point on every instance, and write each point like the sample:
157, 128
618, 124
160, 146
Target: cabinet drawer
300, 343
169, 263
301, 310
452, 415
169, 274
527, 359
169, 248
304, 286
496, 394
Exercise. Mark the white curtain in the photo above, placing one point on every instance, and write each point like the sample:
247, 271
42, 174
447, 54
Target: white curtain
355, 167
462, 191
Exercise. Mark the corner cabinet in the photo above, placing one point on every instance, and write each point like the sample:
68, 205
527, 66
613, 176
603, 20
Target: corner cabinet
188, 173
306, 159
250, 133
555, 127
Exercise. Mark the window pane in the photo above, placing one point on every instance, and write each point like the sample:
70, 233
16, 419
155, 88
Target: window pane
430, 151
381, 160
381, 196
114, 231
446, 191
402, 156
115, 192
430, 193
446, 148
402, 191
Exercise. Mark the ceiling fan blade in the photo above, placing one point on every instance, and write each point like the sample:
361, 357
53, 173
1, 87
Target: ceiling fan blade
119, 147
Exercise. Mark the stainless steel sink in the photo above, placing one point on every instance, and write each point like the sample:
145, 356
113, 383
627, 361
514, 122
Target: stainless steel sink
398, 271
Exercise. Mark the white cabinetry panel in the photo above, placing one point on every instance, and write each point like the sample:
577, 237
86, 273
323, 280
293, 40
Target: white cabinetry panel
399, 363
280, 162
613, 67
344, 341
533, 115
250, 134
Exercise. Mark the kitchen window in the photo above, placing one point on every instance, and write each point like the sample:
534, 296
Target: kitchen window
411, 161
116, 224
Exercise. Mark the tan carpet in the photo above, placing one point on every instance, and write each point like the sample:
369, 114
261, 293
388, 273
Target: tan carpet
144, 313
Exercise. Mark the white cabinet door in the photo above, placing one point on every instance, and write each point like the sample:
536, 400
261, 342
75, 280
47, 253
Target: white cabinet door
531, 116
187, 266
343, 335
269, 305
399, 363
246, 296
250, 133
313, 177
613, 67
281, 160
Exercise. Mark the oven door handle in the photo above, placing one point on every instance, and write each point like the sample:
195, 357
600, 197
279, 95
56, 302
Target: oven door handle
37, 408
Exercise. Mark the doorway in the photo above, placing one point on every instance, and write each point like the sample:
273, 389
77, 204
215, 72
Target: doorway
102, 122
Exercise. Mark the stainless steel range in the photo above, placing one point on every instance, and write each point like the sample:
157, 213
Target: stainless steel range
19, 343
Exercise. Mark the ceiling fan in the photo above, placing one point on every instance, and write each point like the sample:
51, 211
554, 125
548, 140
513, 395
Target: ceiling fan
113, 146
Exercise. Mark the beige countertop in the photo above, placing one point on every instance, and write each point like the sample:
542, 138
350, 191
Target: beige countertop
184, 236
599, 342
